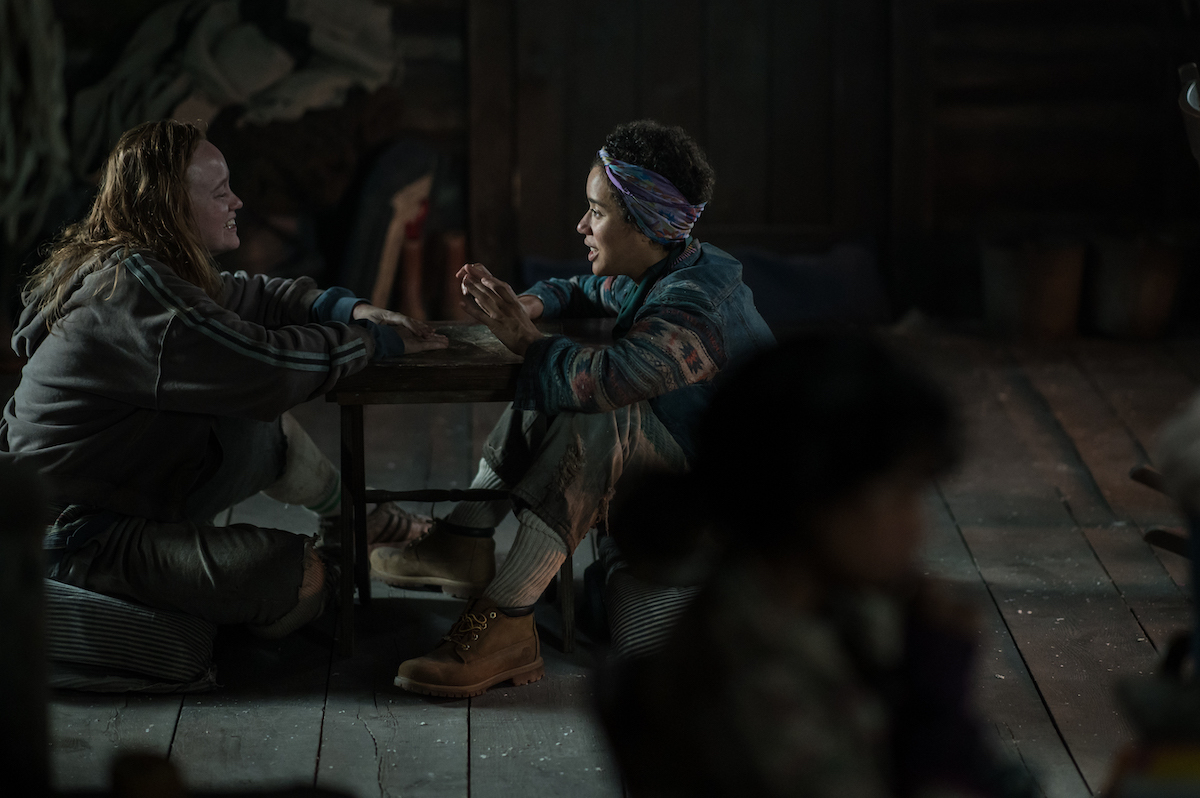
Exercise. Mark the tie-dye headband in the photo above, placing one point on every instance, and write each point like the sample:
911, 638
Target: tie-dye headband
659, 210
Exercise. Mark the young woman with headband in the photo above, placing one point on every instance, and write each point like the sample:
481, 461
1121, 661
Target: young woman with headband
587, 420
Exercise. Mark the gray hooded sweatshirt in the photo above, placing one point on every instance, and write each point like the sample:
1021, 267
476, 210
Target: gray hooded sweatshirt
117, 403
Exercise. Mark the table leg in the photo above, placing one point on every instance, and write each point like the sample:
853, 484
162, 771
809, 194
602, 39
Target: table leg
362, 565
352, 464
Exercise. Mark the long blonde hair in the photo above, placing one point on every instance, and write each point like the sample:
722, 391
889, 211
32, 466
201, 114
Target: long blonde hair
142, 204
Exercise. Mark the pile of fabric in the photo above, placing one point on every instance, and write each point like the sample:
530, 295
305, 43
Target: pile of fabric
274, 60
33, 147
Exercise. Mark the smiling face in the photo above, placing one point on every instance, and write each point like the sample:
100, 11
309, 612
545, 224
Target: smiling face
615, 246
214, 205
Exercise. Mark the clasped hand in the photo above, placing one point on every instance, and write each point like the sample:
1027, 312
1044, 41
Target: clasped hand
491, 301
417, 335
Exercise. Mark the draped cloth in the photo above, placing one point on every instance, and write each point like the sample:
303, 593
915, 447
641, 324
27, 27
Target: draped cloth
658, 208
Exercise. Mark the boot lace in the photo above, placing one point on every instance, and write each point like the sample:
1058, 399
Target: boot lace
467, 628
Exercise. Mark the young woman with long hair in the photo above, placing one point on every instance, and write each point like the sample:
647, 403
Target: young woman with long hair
156, 390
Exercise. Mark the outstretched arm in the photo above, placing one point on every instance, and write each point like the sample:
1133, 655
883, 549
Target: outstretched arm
416, 335
584, 296
395, 332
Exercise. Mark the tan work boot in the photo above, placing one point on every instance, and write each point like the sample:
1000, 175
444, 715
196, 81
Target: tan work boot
458, 564
483, 648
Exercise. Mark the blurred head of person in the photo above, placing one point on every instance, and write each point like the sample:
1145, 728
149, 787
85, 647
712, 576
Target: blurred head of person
819, 451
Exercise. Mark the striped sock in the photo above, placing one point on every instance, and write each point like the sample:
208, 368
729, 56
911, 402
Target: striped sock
535, 557
331, 503
482, 515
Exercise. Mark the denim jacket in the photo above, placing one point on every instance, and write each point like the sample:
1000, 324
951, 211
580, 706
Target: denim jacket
693, 322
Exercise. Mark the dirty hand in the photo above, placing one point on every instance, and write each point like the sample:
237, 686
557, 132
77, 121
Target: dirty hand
1178, 456
492, 301
365, 310
416, 334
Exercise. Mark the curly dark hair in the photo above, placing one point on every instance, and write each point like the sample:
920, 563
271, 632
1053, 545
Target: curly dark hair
665, 149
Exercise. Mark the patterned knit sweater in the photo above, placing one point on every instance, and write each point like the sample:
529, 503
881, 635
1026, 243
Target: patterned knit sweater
693, 321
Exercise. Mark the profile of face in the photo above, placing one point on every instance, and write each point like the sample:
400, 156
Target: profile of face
615, 246
872, 537
214, 205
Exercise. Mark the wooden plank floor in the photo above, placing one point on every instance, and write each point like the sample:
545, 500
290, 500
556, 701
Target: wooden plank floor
1040, 526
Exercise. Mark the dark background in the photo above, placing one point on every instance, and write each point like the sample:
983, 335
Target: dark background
919, 132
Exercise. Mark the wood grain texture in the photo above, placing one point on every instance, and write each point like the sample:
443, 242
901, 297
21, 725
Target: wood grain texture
543, 46
475, 367
492, 134
1103, 441
672, 79
800, 114
912, 117
1006, 693
541, 738
1145, 586
994, 484
737, 60
378, 739
1054, 455
604, 64
1158, 602
1074, 630
1038, 543
1143, 386
262, 727
861, 175
87, 731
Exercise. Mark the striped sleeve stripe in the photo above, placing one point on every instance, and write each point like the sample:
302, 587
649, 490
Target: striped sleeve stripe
118, 637
221, 333
641, 614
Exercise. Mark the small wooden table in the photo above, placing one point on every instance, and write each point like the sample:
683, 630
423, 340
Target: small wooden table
476, 367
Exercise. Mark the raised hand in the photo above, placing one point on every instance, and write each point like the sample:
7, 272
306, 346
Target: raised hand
491, 301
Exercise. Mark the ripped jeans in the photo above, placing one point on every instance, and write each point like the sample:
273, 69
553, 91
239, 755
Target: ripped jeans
566, 468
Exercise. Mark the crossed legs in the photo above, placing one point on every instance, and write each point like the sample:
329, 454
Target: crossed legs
562, 472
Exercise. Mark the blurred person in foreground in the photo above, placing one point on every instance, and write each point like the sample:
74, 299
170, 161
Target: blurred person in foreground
156, 390
816, 659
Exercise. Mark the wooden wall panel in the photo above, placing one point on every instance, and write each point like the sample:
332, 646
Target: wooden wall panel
541, 125
861, 123
672, 67
607, 77
492, 216
770, 89
1047, 114
737, 62
800, 171
912, 110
